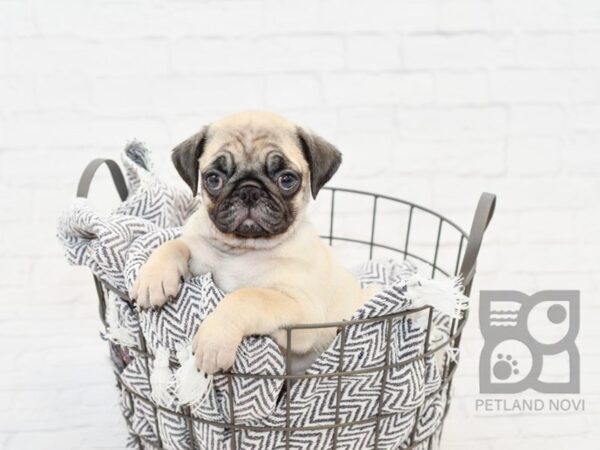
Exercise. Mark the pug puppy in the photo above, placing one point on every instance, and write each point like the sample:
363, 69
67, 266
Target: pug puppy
256, 173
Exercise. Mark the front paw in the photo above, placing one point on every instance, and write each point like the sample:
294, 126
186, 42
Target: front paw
157, 282
215, 344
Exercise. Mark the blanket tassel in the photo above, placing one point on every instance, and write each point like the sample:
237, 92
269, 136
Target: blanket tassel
191, 385
445, 295
161, 378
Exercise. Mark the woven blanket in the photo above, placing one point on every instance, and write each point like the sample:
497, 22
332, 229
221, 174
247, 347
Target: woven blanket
156, 389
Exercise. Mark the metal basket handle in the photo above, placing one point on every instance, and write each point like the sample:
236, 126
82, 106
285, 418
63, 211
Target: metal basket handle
481, 220
88, 173
83, 189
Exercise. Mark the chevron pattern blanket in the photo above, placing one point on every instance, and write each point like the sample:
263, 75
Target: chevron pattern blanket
409, 400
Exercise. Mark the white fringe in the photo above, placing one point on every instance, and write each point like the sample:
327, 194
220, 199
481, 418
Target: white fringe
445, 295
191, 386
453, 353
161, 378
115, 331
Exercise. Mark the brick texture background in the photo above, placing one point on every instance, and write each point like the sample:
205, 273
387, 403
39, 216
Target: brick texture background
430, 100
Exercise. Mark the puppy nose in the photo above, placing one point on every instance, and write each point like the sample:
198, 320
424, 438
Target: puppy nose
249, 195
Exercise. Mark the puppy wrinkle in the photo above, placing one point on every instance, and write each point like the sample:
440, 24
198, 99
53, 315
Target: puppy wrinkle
240, 138
262, 136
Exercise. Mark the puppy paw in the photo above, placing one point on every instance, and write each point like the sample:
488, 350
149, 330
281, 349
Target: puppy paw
158, 282
215, 344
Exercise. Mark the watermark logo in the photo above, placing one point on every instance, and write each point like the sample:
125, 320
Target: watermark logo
529, 342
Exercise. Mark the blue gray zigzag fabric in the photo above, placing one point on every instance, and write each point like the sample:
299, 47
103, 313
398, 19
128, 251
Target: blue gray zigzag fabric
115, 247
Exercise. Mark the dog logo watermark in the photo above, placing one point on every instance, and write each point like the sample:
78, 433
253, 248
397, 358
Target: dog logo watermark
529, 342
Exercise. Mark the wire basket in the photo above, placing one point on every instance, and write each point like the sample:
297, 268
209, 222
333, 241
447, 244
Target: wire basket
392, 227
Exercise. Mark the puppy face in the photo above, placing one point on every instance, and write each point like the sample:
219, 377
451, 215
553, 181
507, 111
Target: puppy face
252, 181
256, 172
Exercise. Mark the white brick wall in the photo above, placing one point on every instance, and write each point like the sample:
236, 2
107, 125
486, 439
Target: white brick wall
432, 100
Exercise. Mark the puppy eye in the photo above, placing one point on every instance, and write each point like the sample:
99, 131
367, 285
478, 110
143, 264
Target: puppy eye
287, 181
213, 181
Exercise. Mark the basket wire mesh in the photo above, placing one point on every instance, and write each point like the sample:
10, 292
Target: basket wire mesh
465, 248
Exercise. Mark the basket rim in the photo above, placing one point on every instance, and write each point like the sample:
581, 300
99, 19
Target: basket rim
338, 324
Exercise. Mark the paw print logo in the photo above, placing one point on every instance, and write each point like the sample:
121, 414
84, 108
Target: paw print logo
524, 337
505, 367
510, 362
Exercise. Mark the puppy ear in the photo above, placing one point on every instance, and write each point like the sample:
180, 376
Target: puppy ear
322, 157
186, 157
